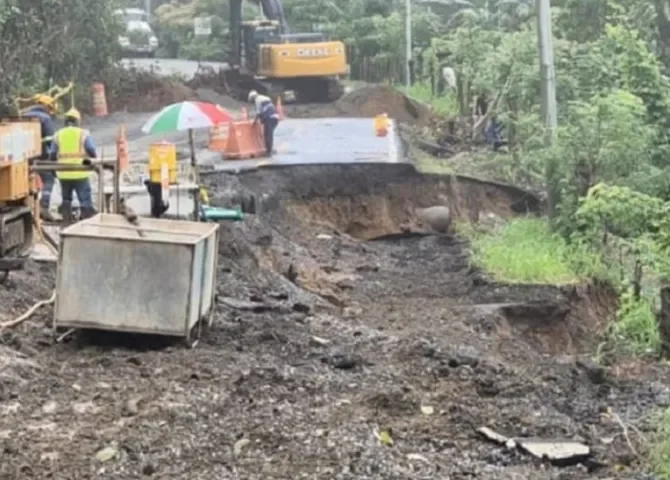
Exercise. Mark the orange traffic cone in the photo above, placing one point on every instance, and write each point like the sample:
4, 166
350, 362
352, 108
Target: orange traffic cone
280, 109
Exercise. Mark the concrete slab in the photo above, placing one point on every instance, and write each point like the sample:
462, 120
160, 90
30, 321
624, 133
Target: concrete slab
326, 140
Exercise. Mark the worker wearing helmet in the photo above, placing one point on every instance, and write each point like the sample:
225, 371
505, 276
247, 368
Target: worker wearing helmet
266, 113
44, 110
74, 145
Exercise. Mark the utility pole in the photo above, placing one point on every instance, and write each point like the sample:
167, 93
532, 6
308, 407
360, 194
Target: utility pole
147, 8
549, 115
547, 74
408, 43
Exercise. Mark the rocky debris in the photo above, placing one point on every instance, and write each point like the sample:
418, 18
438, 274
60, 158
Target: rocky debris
437, 218
558, 452
251, 306
492, 435
595, 373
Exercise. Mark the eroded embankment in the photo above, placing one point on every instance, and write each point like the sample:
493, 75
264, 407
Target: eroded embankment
313, 228
370, 201
414, 341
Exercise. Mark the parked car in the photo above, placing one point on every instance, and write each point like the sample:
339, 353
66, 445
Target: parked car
139, 38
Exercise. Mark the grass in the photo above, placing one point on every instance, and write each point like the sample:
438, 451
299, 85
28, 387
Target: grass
660, 446
635, 330
446, 104
524, 250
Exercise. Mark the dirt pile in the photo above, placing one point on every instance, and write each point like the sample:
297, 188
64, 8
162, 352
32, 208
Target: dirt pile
144, 92
372, 100
139, 91
368, 101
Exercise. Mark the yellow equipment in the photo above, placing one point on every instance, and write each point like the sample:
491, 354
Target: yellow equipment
266, 58
160, 155
49, 99
19, 141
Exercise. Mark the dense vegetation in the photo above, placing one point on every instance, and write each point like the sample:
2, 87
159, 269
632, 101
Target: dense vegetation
606, 171
45, 42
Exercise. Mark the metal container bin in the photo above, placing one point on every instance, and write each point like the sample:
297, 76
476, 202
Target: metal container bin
158, 278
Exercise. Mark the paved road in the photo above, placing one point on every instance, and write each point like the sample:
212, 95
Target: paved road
297, 141
169, 66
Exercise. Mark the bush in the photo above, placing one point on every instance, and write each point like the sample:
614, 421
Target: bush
635, 330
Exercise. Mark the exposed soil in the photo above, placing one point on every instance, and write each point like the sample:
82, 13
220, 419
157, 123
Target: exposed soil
369, 101
138, 91
320, 339
362, 102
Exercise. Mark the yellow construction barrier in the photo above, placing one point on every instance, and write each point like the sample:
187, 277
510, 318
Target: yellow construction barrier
163, 155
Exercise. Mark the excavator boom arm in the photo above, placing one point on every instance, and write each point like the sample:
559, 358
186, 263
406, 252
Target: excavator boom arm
272, 10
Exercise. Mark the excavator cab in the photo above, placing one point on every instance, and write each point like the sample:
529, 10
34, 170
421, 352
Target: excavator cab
268, 58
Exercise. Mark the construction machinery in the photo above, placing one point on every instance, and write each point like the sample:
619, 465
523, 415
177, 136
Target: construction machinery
20, 144
267, 58
55, 92
20, 164
20, 140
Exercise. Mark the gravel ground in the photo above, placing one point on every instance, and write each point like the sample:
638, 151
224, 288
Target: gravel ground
322, 341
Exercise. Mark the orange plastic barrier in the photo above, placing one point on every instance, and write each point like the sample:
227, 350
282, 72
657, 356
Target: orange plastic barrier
218, 138
99, 100
122, 148
245, 140
280, 109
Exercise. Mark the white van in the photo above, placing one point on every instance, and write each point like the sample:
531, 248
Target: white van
139, 39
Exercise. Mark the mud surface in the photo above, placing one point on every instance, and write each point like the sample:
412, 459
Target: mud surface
320, 339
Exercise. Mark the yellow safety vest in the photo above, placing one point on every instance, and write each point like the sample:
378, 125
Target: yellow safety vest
70, 142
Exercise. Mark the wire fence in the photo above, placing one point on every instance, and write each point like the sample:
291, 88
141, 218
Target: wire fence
377, 70
388, 69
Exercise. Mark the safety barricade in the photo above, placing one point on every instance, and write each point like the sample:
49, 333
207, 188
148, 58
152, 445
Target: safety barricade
218, 138
245, 140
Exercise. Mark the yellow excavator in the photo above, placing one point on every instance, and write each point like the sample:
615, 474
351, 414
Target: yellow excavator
20, 144
267, 58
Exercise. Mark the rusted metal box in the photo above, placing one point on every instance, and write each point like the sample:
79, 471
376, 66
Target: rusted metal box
158, 278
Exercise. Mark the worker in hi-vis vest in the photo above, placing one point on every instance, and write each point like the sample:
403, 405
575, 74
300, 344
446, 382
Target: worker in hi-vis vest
74, 145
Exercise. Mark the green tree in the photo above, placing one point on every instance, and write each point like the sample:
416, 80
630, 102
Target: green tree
45, 40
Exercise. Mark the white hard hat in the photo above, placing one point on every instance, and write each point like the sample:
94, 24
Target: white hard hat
252, 95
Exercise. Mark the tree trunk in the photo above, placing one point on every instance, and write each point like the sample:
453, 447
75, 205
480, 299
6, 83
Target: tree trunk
663, 24
664, 321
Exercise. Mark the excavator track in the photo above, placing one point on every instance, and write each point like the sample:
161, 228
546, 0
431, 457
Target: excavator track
16, 238
306, 90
